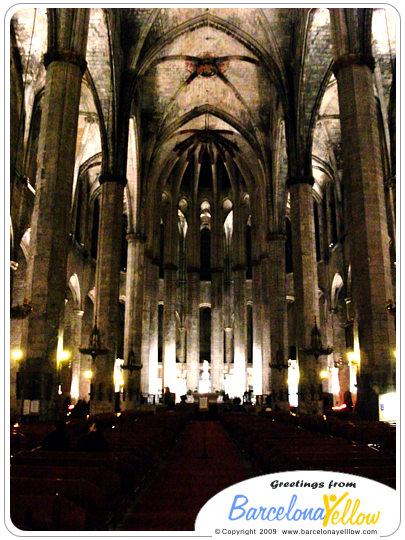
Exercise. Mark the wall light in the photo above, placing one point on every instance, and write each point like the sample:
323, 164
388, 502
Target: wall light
324, 374
352, 357
17, 354
88, 374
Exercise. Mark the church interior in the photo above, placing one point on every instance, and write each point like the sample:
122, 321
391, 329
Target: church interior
202, 255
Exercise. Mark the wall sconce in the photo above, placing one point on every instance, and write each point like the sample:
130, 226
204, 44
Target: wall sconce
280, 362
17, 354
94, 348
316, 347
131, 364
352, 357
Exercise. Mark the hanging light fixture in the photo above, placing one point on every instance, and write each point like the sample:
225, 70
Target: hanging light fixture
94, 348
131, 364
316, 348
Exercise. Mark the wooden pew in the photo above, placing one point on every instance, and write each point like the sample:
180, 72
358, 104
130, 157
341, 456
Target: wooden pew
32, 512
80, 492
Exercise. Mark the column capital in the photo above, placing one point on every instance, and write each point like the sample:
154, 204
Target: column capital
72, 57
274, 236
109, 177
136, 237
239, 267
170, 266
353, 59
304, 179
217, 269
390, 182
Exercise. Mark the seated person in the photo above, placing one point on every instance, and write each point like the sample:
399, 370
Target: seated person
94, 439
57, 439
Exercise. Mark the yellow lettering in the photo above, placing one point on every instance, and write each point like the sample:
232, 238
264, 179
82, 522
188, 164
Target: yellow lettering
328, 508
356, 505
335, 518
345, 511
371, 517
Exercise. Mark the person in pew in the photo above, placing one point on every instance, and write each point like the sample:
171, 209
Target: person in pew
57, 439
93, 440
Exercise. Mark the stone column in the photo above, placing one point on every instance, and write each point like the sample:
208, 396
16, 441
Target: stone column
217, 280
265, 326
107, 289
170, 281
278, 320
76, 342
133, 316
257, 328
193, 286
46, 276
149, 345
368, 235
239, 279
305, 290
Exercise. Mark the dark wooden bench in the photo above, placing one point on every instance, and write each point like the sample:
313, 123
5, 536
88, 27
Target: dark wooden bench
79, 491
31, 512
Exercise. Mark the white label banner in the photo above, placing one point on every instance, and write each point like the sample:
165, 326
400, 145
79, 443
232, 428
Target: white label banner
301, 503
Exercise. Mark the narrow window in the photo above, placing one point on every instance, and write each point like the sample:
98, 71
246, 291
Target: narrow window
205, 334
249, 334
205, 254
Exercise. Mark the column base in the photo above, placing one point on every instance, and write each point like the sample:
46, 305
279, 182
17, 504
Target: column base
367, 400
310, 407
100, 407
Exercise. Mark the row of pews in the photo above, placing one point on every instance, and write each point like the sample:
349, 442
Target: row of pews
278, 442
75, 490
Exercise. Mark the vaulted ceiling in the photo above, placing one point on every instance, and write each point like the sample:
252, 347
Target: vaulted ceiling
238, 85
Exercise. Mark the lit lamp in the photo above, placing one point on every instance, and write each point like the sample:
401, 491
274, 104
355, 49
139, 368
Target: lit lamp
17, 354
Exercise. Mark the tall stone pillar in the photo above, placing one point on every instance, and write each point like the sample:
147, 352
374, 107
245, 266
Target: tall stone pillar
368, 235
107, 289
217, 280
265, 326
133, 316
305, 290
240, 320
46, 277
278, 320
149, 344
257, 328
169, 313
193, 286
76, 341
